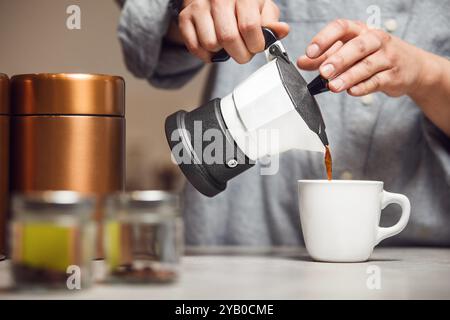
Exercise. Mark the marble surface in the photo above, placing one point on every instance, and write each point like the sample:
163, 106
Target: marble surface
278, 273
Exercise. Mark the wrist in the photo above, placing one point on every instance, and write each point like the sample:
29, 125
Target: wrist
175, 7
173, 34
429, 76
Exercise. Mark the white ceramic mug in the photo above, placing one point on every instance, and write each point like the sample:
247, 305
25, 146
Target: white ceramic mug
340, 219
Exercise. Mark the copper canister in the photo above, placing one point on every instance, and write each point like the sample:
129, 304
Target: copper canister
68, 133
4, 158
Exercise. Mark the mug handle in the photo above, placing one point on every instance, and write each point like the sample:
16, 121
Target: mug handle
388, 198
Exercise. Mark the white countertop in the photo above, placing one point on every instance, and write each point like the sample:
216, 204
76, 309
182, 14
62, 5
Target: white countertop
279, 273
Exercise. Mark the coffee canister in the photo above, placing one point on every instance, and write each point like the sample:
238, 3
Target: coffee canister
4, 158
68, 133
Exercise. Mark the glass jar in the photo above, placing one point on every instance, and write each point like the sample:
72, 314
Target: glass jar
52, 240
143, 239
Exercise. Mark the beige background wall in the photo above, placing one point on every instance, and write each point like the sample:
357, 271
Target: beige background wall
34, 38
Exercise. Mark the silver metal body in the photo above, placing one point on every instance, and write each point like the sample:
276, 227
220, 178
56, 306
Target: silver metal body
261, 117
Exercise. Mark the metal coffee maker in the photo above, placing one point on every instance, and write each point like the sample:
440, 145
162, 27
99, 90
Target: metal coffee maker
226, 136
4, 158
68, 133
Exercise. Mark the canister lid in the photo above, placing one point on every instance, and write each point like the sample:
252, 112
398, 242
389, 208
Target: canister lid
143, 202
44, 202
67, 94
4, 94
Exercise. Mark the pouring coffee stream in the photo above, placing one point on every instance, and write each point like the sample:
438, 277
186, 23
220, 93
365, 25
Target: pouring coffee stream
275, 98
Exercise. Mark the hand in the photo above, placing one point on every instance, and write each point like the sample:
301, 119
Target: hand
362, 60
206, 26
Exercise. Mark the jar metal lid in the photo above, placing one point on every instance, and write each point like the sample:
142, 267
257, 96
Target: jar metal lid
141, 201
67, 94
4, 94
47, 201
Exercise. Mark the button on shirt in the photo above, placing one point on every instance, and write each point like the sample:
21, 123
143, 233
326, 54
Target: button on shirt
346, 175
390, 25
367, 100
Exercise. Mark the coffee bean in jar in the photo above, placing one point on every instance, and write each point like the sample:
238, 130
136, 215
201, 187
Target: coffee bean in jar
143, 237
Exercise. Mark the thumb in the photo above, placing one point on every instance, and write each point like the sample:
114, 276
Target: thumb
270, 18
281, 29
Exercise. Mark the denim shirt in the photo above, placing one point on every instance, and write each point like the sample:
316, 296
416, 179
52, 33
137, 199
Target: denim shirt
372, 138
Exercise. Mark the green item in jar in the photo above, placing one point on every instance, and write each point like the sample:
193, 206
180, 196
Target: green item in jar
44, 245
112, 244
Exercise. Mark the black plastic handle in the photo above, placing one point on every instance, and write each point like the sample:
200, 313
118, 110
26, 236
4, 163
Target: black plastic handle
269, 37
318, 85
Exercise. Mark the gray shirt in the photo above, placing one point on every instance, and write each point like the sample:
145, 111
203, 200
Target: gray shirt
388, 139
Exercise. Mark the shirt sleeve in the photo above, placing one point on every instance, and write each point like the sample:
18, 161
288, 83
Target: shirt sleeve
439, 143
142, 26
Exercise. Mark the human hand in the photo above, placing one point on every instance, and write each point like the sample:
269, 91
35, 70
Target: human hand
206, 26
363, 60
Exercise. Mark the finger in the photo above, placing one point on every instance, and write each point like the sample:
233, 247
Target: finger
281, 29
228, 33
204, 26
249, 22
360, 72
190, 39
337, 30
306, 63
350, 53
375, 83
270, 16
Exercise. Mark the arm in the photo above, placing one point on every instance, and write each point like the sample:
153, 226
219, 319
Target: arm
142, 28
169, 54
360, 61
432, 91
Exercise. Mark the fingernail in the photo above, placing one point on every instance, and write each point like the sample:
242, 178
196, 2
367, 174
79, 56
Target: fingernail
355, 90
327, 70
312, 50
336, 84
